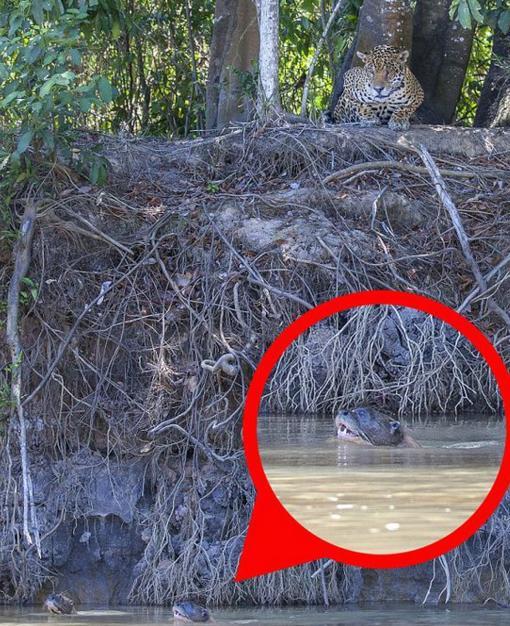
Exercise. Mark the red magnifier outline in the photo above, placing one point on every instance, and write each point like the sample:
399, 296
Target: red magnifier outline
267, 502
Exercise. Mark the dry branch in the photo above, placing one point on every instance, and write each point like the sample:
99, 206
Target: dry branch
449, 205
473, 294
21, 256
372, 166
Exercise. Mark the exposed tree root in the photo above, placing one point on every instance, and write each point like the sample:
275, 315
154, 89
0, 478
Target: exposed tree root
210, 249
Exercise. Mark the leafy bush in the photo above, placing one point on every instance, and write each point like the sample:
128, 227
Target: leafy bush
43, 89
493, 13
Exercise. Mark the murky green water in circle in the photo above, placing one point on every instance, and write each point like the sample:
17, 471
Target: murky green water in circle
380, 500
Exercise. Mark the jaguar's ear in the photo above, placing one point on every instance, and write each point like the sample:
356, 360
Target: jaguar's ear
362, 56
403, 56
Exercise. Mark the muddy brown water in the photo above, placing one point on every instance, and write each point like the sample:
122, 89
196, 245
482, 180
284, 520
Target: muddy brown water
377, 615
381, 500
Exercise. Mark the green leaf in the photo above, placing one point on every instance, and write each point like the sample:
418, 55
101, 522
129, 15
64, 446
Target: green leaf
116, 30
95, 172
68, 75
464, 14
504, 21
10, 98
475, 9
75, 56
49, 58
33, 53
24, 141
85, 104
47, 87
48, 139
37, 11
105, 90
15, 22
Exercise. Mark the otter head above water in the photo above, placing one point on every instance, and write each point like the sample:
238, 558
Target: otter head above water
187, 611
59, 604
370, 426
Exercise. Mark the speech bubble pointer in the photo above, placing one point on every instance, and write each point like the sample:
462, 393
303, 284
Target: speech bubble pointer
274, 541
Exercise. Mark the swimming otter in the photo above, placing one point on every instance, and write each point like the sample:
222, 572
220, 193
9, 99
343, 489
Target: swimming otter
368, 425
187, 611
59, 604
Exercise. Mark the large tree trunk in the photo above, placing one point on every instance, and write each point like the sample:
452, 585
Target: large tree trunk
268, 101
494, 103
441, 51
380, 22
233, 55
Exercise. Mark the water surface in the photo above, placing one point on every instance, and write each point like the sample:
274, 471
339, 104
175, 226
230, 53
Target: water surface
348, 615
381, 500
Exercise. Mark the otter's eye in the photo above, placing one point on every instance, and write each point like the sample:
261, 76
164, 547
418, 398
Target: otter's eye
394, 426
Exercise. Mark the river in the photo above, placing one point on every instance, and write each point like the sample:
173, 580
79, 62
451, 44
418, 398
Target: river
381, 500
348, 615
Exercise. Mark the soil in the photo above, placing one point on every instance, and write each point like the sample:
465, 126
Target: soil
199, 249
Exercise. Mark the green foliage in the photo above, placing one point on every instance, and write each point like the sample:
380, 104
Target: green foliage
493, 13
212, 187
301, 26
30, 292
141, 66
42, 87
155, 53
473, 82
6, 406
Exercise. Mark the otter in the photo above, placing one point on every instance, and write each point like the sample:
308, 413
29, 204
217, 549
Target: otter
187, 611
370, 426
59, 604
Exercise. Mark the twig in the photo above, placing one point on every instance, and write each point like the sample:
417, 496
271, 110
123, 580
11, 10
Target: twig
101, 235
323, 567
22, 255
449, 205
371, 166
208, 451
324, 588
339, 5
487, 277
75, 326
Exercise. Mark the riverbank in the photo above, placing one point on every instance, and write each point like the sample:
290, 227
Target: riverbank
151, 300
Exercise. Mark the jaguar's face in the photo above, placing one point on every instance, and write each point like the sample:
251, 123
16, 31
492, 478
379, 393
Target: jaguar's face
385, 70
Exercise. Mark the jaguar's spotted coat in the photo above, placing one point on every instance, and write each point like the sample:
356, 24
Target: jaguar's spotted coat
384, 90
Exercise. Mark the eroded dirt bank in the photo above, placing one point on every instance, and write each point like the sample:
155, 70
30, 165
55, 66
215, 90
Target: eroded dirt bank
156, 296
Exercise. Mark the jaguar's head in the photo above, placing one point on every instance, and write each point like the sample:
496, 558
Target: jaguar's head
385, 70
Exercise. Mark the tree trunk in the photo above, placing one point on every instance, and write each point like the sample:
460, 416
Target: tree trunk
381, 22
268, 101
233, 55
494, 103
441, 51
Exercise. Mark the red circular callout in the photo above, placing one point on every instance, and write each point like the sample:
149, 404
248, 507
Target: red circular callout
317, 546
